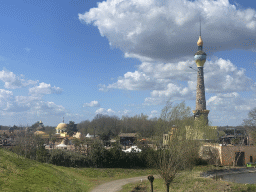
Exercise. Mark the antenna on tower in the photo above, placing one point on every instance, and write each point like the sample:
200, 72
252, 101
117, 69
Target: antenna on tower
200, 24
63, 119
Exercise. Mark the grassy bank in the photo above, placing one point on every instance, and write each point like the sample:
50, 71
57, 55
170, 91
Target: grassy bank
20, 174
191, 182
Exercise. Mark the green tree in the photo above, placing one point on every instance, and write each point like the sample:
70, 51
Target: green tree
42, 154
53, 139
76, 143
72, 127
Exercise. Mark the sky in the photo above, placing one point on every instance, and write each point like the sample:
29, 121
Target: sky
79, 58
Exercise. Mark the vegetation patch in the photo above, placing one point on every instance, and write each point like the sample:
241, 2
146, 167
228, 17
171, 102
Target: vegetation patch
190, 181
21, 174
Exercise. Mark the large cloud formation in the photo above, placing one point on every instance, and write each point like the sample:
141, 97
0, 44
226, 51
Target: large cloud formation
163, 36
167, 30
176, 81
12, 104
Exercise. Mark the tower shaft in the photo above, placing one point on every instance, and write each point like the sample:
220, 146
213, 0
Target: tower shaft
200, 91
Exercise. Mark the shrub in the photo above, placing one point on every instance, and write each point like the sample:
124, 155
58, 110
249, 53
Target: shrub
68, 159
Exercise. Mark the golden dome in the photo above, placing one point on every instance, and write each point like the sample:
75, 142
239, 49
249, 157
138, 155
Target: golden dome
62, 126
200, 41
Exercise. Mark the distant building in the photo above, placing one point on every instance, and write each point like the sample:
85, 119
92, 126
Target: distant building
229, 155
127, 139
167, 137
90, 136
77, 135
42, 134
61, 129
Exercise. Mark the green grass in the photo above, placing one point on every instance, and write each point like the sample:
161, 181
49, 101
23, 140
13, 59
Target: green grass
191, 182
20, 174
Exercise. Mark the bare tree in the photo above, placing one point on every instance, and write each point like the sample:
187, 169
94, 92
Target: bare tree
179, 155
180, 152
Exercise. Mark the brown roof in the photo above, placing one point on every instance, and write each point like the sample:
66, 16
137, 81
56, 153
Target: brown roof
127, 134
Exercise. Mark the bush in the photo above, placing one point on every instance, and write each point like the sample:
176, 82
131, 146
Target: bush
200, 161
98, 156
42, 154
68, 159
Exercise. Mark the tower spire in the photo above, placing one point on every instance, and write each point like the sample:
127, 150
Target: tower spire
200, 25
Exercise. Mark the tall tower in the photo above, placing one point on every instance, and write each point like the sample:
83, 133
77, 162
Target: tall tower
200, 58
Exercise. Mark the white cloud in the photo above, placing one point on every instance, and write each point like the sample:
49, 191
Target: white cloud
12, 81
103, 87
27, 104
43, 89
223, 76
92, 104
229, 108
126, 111
5, 99
167, 30
111, 112
49, 108
134, 81
104, 111
153, 113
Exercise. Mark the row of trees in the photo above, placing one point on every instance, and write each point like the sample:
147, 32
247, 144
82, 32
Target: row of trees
105, 125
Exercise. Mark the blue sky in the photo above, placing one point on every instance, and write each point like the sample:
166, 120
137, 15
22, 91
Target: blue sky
79, 58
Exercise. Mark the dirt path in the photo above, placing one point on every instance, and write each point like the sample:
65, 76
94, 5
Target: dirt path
115, 186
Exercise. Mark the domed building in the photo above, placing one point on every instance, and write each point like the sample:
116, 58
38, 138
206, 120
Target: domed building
61, 129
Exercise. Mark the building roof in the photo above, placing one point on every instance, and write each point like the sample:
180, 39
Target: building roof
40, 133
127, 134
62, 126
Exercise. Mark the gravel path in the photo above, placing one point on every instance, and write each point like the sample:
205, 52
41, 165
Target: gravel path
115, 186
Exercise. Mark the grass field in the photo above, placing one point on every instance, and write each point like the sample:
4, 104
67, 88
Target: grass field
20, 174
191, 182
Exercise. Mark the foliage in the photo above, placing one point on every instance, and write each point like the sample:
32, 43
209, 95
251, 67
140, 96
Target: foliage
35, 125
68, 159
42, 155
190, 181
71, 128
22, 174
104, 125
